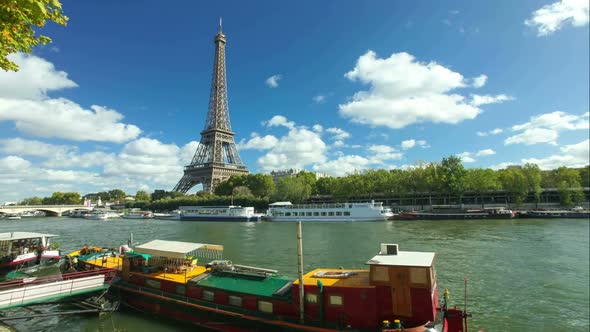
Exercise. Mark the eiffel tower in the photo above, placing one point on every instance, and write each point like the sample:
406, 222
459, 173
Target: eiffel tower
216, 158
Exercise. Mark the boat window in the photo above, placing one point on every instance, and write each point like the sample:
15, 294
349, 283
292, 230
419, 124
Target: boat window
265, 306
311, 298
152, 283
335, 300
324, 214
235, 300
339, 213
180, 289
331, 213
308, 214
418, 276
379, 273
316, 214
4, 246
350, 206
208, 295
294, 214
346, 213
287, 214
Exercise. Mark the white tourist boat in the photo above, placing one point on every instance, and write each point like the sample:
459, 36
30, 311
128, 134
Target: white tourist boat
369, 211
219, 213
138, 215
24, 250
79, 213
101, 215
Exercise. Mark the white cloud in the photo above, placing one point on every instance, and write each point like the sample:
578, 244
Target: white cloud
35, 78
68, 120
300, 147
557, 120
485, 152
319, 99
553, 17
339, 134
491, 132
545, 128
273, 81
258, 142
337, 144
24, 100
343, 165
574, 155
466, 157
454, 12
408, 144
534, 136
479, 81
317, 128
477, 100
404, 91
279, 120
23, 147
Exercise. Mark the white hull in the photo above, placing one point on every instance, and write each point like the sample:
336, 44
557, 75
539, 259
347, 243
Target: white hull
371, 211
383, 218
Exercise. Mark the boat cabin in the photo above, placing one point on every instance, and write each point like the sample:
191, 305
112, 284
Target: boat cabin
399, 285
406, 284
169, 260
18, 243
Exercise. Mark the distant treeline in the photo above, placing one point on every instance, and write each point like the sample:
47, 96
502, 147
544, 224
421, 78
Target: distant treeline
447, 177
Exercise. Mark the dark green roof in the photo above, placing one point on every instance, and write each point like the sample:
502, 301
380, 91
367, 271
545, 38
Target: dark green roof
240, 284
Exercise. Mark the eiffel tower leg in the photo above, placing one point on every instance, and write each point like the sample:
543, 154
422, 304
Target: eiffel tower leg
185, 184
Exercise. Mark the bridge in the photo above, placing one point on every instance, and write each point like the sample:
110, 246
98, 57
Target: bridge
52, 210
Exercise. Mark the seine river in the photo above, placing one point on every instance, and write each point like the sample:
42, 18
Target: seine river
525, 274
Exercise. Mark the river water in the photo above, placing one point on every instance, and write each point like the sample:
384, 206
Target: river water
524, 274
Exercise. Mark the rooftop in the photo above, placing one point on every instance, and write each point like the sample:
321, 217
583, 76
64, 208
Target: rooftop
404, 258
174, 249
23, 235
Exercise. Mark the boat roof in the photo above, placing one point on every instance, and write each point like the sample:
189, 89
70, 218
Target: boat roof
280, 203
260, 287
404, 258
174, 249
209, 207
23, 235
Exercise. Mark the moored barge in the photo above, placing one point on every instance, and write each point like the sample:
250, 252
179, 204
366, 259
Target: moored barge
191, 282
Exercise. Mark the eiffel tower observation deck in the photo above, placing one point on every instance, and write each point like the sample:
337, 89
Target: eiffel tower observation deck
216, 158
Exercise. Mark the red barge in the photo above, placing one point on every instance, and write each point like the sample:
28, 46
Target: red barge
192, 283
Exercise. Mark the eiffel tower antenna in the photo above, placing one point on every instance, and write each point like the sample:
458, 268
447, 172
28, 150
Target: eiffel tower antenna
216, 158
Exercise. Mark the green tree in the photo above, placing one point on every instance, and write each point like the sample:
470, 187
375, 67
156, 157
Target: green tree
242, 191
585, 176
17, 21
293, 189
452, 174
325, 186
142, 196
481, 180
514, 180
116, 195
570, 190
32, 201
71, 198
532, 172
261, 185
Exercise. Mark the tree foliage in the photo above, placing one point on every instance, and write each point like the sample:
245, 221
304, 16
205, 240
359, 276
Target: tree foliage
142, 196
18, 18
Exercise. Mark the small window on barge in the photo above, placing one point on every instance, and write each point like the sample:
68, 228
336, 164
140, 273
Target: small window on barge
208, 295
265, 306
235, 300
335, 300
311, 298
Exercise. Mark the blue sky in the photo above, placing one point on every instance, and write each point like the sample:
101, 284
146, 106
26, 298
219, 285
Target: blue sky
119, 98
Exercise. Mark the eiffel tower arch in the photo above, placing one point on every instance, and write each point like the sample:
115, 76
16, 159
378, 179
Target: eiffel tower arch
216, 158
